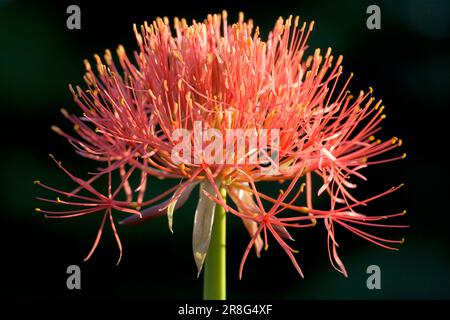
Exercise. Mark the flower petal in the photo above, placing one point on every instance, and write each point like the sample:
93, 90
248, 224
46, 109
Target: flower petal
160, 209
170, 209
244, 201
252, 227
282, 231
203, 222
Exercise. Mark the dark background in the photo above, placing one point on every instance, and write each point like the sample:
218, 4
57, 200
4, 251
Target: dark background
407, 63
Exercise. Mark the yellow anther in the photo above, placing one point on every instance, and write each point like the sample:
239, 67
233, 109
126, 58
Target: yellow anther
98, 59
120, 51
182, 168
241, 17
150, 92
37, 209
64, 112
36, 182
394, 140
400, 142
177, 55
134, 204
372, 138
108, 57
228, 181
383, 116
87, 65
404, 155
56, 129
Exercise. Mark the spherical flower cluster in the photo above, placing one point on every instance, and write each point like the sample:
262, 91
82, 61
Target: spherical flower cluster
227, 80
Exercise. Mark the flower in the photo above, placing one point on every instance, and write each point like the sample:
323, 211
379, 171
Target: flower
250, 110
86, 205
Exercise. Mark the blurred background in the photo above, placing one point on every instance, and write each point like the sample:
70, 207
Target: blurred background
407, 63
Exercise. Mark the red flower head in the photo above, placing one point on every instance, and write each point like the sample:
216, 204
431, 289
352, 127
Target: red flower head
215, 105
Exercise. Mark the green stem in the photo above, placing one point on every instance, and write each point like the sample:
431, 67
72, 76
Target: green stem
215, 274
